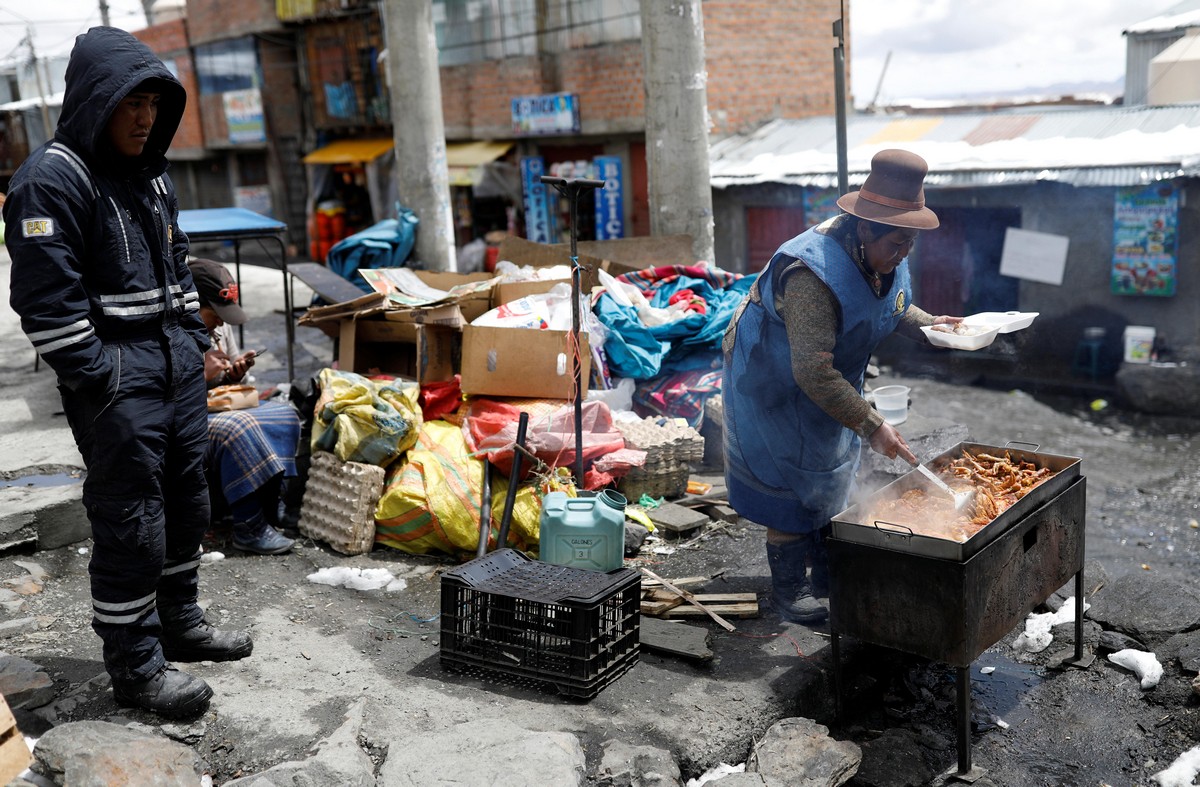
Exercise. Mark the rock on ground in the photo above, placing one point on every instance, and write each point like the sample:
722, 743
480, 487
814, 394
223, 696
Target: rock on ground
491, 752
637, 766
799, 752
338, 760
1146, 608
100, 753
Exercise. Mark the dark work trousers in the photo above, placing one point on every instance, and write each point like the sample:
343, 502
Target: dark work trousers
143, 441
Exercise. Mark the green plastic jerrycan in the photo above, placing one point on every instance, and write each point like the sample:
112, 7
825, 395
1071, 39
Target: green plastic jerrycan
583, 532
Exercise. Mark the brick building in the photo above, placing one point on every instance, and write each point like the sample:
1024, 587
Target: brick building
281, 87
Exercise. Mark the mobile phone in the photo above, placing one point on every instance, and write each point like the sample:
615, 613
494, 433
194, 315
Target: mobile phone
257, 353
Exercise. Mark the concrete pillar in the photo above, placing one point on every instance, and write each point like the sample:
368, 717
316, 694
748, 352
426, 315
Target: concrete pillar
677, 122
415, 94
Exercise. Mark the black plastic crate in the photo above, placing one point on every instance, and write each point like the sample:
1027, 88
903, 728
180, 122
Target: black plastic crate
569, 627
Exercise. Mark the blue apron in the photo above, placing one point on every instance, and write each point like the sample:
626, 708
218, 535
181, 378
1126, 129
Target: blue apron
788, 464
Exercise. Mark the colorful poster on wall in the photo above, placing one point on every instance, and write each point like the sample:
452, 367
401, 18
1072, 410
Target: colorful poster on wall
244, 115
819, 205
1145, 240
537, 207
610, 207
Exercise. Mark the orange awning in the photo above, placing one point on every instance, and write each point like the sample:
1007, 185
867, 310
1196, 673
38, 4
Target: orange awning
349, 151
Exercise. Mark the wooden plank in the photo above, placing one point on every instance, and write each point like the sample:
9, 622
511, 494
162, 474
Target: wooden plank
743, 610
656, 607
682, 582
332, 288
677, 639
703, 598
725, 624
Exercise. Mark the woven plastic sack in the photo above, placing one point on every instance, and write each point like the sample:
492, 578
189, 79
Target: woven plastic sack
363, 420
430, 501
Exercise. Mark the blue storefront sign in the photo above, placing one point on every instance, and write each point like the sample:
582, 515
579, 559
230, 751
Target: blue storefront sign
553, 113
610, 207
537, 207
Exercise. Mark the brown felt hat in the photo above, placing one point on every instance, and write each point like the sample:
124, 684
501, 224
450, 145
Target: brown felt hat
218, 289
894, 192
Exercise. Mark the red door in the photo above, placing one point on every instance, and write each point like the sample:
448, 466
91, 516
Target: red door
766, 230
937, 266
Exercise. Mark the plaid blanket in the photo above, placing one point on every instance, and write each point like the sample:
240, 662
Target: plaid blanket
247, 448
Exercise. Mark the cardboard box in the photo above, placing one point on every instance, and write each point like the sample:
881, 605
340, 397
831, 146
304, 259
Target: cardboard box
507, 292
422, 344
520, 362
471, 305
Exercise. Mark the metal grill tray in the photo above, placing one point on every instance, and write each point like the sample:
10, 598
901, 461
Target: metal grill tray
849, 524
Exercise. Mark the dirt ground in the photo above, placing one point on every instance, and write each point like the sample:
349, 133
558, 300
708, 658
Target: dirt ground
319, 647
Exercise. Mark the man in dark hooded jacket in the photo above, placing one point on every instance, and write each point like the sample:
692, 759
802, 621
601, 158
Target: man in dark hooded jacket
101, 282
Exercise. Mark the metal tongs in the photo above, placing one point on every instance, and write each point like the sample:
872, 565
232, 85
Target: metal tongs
961, 499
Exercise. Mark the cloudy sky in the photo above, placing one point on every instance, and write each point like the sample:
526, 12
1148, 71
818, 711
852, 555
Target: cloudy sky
55, 23
948, 48
939, 48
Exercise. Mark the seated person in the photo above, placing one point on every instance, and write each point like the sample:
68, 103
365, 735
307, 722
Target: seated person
249, 451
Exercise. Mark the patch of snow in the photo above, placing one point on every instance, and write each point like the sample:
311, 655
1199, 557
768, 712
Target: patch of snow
713, 774
1143, 664
358, 578
1182, 772
1037, 636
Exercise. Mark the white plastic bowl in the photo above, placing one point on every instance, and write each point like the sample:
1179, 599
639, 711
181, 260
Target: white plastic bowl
956, 341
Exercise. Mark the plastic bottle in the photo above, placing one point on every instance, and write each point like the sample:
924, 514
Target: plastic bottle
583, 532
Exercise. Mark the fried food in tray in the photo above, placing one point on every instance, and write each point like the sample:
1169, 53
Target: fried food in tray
999, 482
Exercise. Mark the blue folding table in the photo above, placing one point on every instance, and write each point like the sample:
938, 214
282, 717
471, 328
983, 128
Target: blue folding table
237, 225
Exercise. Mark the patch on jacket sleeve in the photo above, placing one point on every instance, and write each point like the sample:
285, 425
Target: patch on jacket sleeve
37, 228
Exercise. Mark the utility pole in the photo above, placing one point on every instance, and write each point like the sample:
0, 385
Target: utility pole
677, 122
104, 12
37, 74
419, 133
839, 86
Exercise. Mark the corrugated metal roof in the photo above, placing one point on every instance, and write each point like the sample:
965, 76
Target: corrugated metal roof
1092, 146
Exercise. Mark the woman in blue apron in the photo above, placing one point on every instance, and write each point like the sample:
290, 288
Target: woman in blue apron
796, 353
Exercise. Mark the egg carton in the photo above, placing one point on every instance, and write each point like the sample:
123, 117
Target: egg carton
671, 447
339, 503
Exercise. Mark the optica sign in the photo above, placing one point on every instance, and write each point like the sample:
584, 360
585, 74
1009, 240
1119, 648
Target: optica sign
610, 206
537, 207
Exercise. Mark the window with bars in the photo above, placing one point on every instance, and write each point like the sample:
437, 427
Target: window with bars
227, 66
473, 30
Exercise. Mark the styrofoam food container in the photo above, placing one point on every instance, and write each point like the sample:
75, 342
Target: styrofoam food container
1007, 322
956, 341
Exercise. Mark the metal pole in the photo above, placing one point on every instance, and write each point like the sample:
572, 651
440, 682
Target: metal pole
839, 87
49, 131
570, 188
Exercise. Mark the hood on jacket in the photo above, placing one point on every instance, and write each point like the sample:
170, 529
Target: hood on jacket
106, 65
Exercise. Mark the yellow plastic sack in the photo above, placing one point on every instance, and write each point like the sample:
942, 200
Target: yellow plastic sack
363, 420
431, 500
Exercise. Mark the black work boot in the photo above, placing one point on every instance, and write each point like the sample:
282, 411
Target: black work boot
791, 594
204, 642
168, 692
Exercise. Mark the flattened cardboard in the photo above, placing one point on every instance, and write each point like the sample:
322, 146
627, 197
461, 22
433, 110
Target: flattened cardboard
520, 362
